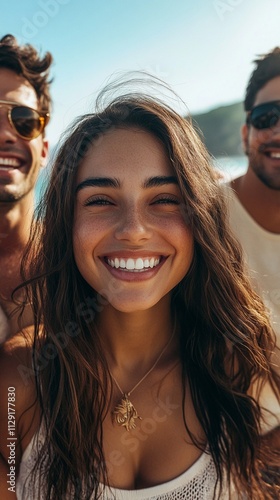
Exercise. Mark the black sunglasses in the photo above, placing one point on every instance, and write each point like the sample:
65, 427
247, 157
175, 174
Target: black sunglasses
28, 123
264, 115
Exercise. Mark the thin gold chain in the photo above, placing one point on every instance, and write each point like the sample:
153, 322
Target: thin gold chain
148, 372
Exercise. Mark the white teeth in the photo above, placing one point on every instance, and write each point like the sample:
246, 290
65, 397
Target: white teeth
275, 154
9, 162
139, 264
130, 264
134, 264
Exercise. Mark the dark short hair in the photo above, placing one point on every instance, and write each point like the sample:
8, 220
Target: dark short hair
26, 61
267, 67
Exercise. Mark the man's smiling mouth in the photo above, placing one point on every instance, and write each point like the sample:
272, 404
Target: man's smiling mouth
273, 154
9, 162
271, 150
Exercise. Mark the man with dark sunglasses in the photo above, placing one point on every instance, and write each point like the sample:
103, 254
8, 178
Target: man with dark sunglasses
24, 113
254, 206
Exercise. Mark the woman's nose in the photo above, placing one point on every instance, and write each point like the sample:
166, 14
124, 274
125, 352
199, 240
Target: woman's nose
133, 226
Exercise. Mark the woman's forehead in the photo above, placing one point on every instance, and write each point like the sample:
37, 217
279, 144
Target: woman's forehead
126, 152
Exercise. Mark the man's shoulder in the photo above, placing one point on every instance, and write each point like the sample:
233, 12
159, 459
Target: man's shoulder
15, 360
4, 326
19, 412
232, 185
18, 344
230, 190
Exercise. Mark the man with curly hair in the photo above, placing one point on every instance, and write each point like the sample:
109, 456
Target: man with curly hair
24, 112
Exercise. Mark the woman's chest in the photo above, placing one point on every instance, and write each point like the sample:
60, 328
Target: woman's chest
159, 447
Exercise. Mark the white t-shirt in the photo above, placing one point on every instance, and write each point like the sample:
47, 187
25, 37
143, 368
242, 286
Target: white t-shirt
262, 255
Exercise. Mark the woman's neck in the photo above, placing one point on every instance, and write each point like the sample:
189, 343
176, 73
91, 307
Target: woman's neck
135, 339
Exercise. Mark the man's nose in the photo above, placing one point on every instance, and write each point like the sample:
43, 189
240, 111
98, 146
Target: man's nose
7, 133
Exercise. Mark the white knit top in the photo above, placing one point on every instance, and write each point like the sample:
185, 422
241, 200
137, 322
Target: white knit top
197, 483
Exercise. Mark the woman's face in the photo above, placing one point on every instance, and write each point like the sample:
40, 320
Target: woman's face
131, 243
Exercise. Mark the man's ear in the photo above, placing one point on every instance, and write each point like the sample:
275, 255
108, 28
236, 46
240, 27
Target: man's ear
244, 137
44, 154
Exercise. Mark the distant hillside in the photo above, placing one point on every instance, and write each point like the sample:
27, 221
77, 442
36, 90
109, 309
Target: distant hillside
220, 129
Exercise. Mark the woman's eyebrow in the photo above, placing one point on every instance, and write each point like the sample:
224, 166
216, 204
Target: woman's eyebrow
160, 180
156, 181
98, 182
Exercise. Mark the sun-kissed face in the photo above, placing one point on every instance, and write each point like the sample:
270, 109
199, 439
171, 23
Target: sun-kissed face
20, 160
131, 243
263, 146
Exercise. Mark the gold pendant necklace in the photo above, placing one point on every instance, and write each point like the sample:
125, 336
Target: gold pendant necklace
125, 413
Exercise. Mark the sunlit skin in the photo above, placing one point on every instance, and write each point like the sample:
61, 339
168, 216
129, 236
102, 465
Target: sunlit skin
135, 211
129, 206
16, 187
17, 182
262, 179
263, 146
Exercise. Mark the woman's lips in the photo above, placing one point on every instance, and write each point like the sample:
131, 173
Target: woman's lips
133, 265
134, 269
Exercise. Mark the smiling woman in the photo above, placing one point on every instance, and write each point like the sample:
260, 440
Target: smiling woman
148, 336
130, 228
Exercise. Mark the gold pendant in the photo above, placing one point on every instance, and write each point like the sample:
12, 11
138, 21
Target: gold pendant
125, 414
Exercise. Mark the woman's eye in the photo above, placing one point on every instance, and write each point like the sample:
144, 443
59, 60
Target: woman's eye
166, 201
98, 202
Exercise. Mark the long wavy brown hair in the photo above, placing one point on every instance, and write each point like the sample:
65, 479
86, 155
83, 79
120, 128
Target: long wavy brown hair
226, 339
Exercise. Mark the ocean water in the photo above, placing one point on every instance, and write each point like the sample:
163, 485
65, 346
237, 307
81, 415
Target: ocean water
41, 184
230, 166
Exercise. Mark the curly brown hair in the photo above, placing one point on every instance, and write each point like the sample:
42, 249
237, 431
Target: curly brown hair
25, 61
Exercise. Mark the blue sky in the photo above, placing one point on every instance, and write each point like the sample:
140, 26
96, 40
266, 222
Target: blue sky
203, 48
